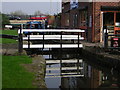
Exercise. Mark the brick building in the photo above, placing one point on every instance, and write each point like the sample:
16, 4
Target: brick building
90, 16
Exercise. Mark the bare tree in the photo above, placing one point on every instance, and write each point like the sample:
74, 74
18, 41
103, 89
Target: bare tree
47, 14
18, 13
38, 13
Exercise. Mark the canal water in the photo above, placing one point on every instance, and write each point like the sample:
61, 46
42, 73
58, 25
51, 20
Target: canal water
68, 69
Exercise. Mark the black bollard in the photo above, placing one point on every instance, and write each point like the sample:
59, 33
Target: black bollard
20, 39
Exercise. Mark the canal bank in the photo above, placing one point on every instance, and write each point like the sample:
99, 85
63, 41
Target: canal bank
96, 53
37, 66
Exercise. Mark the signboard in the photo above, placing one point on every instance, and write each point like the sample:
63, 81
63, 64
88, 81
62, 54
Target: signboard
115, 42
73, 4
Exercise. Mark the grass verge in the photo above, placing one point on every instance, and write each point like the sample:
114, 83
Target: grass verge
5, 41
0, 72
9, 32
14, 75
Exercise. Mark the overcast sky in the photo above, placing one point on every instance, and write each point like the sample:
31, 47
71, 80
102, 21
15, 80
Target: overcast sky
45, 6
30, 6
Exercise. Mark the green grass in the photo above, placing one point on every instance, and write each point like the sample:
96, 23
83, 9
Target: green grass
9, 32
6, 41
14, 75
0, 72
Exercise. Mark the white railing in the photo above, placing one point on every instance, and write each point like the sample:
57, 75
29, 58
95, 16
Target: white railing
51, 30
63, 35
64, 71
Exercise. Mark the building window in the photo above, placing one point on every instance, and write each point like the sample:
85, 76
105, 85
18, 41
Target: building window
83, 18
108, 19
75, 20
66, 19
118, 17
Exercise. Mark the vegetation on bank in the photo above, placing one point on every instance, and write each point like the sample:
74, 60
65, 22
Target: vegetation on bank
9, 32
14, 75
5, 20
0, 72
8, 41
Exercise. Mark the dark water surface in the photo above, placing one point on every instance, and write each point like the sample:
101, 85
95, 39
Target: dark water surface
83, 73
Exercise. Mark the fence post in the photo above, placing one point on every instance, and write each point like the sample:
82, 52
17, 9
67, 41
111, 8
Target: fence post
20, 39
78, 41
61, 53
61, 40
28, 41
43, 39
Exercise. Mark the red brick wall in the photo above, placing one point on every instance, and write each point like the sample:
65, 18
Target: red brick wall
62, 20
97, 16
65, 9
94, 31
72, 12
89, 12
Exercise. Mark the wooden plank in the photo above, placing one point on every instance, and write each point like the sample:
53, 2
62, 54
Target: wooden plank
64, 68
71, 61
71, 68
69, 73
58, 37
52, 61
53, 68
52, 74
71, 45
63, 61
65, 76
51, 30
53, 46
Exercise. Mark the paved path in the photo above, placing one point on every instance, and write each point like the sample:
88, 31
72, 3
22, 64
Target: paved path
91, 44
8, 49
97, 48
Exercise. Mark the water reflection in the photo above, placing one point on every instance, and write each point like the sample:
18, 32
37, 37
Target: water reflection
71, 71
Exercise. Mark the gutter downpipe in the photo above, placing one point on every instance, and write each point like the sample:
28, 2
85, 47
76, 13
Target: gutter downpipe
93, 21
